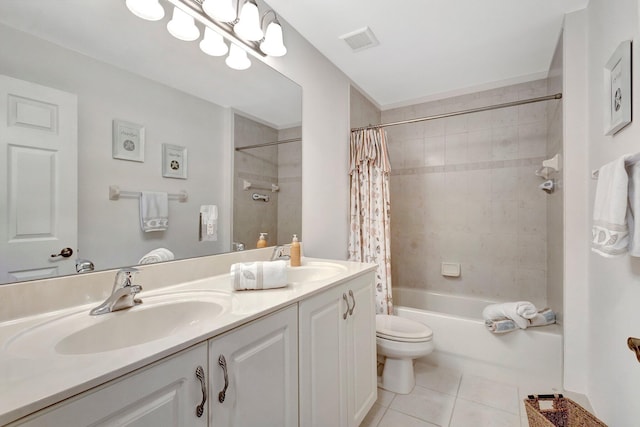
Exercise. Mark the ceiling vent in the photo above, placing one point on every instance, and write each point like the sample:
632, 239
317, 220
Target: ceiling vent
360, 39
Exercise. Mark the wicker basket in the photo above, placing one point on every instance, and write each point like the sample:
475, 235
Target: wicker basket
564, 413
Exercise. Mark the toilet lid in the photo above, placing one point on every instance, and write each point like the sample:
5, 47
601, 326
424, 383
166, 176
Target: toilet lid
401, 329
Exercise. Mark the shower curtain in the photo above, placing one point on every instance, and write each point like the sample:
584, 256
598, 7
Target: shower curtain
369, 236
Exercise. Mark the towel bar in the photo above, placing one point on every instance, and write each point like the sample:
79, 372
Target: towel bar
247, 185
115, 193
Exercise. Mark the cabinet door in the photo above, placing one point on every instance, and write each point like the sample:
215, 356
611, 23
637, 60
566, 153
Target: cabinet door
361, 349
165, 394
262, 371
323, 367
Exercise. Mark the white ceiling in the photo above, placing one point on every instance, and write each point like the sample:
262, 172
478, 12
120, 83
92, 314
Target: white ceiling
433, 48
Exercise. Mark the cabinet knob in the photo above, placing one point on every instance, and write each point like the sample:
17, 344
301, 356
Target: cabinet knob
203, 383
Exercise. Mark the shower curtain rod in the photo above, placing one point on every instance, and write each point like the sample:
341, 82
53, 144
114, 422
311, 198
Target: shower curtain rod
266, 144
459, 113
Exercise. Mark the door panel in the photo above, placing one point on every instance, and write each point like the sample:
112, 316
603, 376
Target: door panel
38, 192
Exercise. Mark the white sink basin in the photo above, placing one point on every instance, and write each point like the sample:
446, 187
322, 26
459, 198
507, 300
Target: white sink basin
313, 272
156, 318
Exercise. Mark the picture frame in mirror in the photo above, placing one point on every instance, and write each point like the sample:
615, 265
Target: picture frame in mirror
128, 141
174, 161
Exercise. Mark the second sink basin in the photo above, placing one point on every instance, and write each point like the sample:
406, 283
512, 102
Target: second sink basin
156, 318
313, 272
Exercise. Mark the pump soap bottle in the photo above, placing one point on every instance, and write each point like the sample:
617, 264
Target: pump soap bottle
262, 241
295, 252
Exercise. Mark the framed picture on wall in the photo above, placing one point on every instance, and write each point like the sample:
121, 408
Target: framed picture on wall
128, 141
617, 81
174, 161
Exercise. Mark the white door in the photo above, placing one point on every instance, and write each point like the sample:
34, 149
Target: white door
38, 183
261, 365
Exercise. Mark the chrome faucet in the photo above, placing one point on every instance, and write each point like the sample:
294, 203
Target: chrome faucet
280, 252
122, 295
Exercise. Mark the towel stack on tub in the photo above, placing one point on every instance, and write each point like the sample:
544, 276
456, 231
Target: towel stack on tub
509, 316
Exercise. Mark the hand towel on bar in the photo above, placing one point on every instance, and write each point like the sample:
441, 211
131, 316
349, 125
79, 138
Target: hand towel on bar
157, 255
259, 275
634, 205
520, 312
613, 232
500, 326
154, 211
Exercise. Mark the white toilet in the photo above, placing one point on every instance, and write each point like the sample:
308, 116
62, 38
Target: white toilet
401, 340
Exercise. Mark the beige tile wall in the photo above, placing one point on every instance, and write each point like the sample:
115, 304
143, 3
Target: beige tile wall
290, 182
463, 189
555, 214
259, 166
281, 217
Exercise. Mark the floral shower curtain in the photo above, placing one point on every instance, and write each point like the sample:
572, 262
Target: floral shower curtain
369, 236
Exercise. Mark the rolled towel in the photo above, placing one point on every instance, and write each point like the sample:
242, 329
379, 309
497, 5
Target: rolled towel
500, 326
259, 275
544, 317
520, 312
157, 255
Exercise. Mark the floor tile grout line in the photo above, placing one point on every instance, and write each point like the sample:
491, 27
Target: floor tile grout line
386, 409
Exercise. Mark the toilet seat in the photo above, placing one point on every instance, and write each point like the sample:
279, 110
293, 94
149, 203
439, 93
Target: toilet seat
397, 328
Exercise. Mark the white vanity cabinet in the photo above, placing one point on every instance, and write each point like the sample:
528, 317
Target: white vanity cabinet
337, 357
260, 363
166, 393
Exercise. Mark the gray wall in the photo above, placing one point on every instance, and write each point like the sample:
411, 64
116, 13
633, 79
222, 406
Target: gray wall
109, 231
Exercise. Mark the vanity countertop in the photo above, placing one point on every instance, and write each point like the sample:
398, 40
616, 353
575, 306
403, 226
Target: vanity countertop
33, 375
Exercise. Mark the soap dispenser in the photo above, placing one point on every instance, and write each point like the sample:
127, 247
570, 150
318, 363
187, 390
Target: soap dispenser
262, 241
295, 252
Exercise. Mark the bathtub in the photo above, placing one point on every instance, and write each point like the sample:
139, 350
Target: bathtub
462, 341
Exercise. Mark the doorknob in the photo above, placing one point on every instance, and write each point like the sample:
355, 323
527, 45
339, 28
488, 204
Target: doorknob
65, 253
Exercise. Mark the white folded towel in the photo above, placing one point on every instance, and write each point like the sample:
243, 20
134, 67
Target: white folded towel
544, 317
634, 205
612, 214
500, 326
520, 312
154, 211
157, 255
259, 275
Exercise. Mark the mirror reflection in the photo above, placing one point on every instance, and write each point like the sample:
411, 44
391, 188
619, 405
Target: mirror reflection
98, 100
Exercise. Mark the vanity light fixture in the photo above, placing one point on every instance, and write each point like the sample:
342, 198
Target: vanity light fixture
221, 10
213, 44
272, 43
243, 31
237, 58
182, 26
248, 25
151, 10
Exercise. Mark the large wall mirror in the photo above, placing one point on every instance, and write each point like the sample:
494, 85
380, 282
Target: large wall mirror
95, 100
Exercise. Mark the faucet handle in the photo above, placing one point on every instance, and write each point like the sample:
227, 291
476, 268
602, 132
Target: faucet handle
124, 277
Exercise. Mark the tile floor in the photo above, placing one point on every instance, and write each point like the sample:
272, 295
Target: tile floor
447, 398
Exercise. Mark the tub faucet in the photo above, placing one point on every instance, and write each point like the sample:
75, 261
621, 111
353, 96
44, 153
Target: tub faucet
280, 252
122, 295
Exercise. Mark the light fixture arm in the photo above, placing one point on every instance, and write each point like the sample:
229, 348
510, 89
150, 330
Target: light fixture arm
264, 18
193, 8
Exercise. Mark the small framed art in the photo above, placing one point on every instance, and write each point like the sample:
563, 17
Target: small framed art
174, 161
128, 141
617, 81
